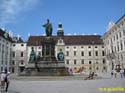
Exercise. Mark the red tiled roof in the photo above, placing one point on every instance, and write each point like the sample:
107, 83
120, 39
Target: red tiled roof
69, 40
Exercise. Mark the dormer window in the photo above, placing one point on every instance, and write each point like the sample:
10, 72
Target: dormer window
60, 41
74, 47
82, 47
89, 46
67, 47
22, 44
6, 35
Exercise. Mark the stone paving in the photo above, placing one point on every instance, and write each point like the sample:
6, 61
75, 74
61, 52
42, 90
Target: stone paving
64, 85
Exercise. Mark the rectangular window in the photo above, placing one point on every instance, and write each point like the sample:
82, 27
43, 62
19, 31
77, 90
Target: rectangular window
104, 68
82, 53
75, 61
118, 48
121, 47
6, 62
13, 54
13, 62
82, 61
90, 62
103, 61
120, 34
117, 36
114, 38
74, 53
21, 54
67, 61
89, 53
121, 57
2, 62
13, 70
67, 53
96, 53
103, 53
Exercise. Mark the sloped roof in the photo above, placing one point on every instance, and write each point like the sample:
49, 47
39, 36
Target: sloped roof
17, 40
69, 40
4, 34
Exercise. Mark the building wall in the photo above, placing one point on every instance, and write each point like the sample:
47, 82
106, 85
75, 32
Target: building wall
5, 50
19, 57
114, 41
98, 63
88, 60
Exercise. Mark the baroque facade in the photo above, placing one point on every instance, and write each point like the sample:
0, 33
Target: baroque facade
114, 42
5, 50
18, 59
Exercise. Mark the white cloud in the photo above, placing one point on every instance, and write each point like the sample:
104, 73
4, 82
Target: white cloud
10, 9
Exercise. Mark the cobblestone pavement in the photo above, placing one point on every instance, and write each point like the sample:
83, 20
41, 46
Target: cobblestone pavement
65, 86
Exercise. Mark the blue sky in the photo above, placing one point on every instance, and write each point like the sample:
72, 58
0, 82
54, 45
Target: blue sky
25, 17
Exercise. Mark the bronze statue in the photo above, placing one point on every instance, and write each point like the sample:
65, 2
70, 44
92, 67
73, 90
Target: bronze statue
48, 28
60, 56
32, 58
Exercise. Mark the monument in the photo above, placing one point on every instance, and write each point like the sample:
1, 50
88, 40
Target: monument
47, 65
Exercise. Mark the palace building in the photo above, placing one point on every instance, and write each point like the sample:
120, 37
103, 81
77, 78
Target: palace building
5, 50
114, 42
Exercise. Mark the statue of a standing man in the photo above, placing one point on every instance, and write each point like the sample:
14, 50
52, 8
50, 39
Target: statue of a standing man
48, 28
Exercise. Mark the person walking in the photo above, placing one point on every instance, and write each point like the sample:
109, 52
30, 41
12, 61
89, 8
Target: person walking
7, 81
2, 76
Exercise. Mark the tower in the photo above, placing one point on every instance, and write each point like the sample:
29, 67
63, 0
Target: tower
60, 31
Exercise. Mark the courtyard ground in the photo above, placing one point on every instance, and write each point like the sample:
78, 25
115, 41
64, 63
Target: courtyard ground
73, 84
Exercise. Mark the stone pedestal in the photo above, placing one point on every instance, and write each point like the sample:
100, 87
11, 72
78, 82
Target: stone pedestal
48, 49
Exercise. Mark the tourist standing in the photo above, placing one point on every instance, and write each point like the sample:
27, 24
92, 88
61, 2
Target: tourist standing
7, 81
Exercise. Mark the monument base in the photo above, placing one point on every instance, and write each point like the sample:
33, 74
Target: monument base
47, 65
46, 69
